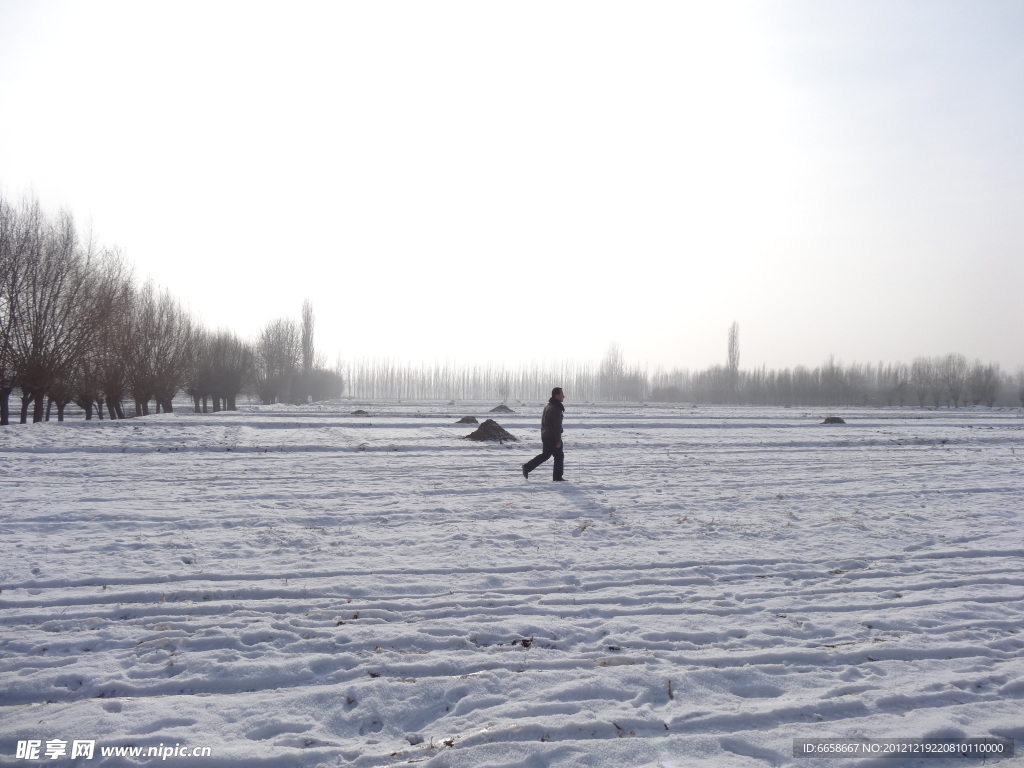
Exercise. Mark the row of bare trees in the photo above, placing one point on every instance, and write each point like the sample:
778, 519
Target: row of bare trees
57, 293
949, 380
933, 382
389, 379
75, 327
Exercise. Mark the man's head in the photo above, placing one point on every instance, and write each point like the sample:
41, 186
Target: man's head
558, 394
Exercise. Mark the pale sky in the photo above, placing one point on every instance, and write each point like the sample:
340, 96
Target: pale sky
481, 181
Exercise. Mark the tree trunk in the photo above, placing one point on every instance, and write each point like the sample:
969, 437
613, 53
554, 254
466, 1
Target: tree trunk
87, 407
196, 402
205, 404
99, 407
49, 407
5, 406
25, 400
114, 410
38, 407
216, 403
230, 405
168, 406
60, 410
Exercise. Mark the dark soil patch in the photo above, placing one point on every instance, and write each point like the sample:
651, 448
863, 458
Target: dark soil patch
491, 430
501, 409
360, 413
833, 420
468, 420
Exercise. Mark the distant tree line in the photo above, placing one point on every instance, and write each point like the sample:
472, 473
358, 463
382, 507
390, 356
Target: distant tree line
388, 379
949, 380
75, 327
928, 381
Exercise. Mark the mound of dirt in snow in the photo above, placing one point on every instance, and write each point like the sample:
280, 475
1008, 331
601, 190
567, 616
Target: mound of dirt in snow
359, 413
501, 409
833, 420
490, 430
467, 420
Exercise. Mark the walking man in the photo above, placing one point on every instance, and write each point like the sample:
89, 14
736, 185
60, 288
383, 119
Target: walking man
550, 436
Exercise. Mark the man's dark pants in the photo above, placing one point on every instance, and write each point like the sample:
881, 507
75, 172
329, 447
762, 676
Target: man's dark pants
549, 451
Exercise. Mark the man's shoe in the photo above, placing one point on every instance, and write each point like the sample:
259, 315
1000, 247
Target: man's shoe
525, 473
559, 480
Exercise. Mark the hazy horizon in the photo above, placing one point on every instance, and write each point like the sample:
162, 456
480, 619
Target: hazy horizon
484, 184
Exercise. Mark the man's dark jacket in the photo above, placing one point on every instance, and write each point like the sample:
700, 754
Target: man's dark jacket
551, 422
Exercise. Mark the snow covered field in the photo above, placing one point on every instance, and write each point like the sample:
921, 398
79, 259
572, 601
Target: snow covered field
303, 587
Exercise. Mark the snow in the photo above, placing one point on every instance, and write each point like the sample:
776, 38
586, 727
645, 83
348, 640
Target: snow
304, 587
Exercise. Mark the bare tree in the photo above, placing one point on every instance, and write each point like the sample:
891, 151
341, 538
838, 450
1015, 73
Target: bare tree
302, 384
833, 382
137, 350
984, 381
230, 366
308, 348
316, 382
111, 277
86, 391
114, 338
157, 349
936, 382
893, 382
901, 381
11, 248
954, 376
55, 303
921, 374
504, 386
61, 392
175, 329
199, 378
733, 366
277, 354
610, 375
